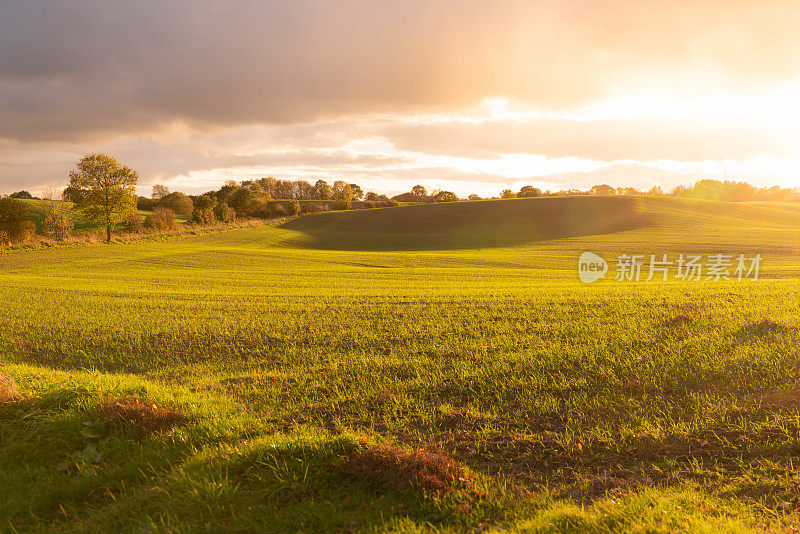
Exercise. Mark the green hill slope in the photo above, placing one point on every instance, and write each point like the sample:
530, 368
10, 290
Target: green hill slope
245, 381
504, 223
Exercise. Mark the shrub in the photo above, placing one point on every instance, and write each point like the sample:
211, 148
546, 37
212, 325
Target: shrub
133, 222
162, 219
270, 210
203, 212
15, 222
278, 210
294, 207
178, 203
58, 221
225, 213
312, 207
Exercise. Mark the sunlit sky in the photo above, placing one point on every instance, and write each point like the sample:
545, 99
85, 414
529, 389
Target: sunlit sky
469, 96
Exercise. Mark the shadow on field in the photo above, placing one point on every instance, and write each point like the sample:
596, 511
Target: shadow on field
468, 225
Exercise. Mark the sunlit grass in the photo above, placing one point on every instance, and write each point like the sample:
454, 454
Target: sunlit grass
654, 405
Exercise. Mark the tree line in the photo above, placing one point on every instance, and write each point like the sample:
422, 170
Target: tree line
103, 191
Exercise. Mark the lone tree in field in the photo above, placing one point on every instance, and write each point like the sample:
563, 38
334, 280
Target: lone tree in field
104, 189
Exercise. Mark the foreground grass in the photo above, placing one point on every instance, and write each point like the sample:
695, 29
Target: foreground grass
564, 407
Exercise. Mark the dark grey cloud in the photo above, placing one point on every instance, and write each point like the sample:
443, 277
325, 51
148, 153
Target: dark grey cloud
78, 68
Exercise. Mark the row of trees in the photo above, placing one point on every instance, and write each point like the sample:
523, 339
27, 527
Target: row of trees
104, 191
265, 198
703, 189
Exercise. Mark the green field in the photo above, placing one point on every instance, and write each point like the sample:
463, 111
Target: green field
307, 365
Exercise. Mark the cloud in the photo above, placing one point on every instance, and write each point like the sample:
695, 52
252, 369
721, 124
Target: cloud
87, 68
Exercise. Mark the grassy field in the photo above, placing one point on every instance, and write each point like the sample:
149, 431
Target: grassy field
420, 368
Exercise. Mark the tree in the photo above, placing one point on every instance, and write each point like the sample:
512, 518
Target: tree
203, 212
358, 193
15, 221
342, 194
104, 189
419, 193
444, 196
603, 189
225, 213
294, 207
507, 193
655, 191
22, 195
473, 196
159, 192
528, 191
322, 191
57, 221
372, 197
243, 200
177, 202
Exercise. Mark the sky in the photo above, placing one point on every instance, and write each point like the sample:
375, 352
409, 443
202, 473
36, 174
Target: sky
464, 95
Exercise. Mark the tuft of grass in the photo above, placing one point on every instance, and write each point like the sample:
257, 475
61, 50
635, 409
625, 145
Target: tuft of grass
9, 391
393, 467
142, 417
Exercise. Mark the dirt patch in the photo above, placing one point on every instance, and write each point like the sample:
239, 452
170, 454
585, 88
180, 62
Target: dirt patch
140, 416
394, 467
9, 391
781, 399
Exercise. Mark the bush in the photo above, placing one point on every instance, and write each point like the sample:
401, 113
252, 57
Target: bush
162, 219
178, 203
203, 212
225, 213
294, 207
270, 210
57, 222
15, 222
133, 222
312, 207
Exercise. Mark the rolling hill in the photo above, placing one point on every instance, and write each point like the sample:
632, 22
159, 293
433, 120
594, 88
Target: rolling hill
412, 369
508, 223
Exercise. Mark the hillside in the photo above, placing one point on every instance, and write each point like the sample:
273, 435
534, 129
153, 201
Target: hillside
258, 379
504, 223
